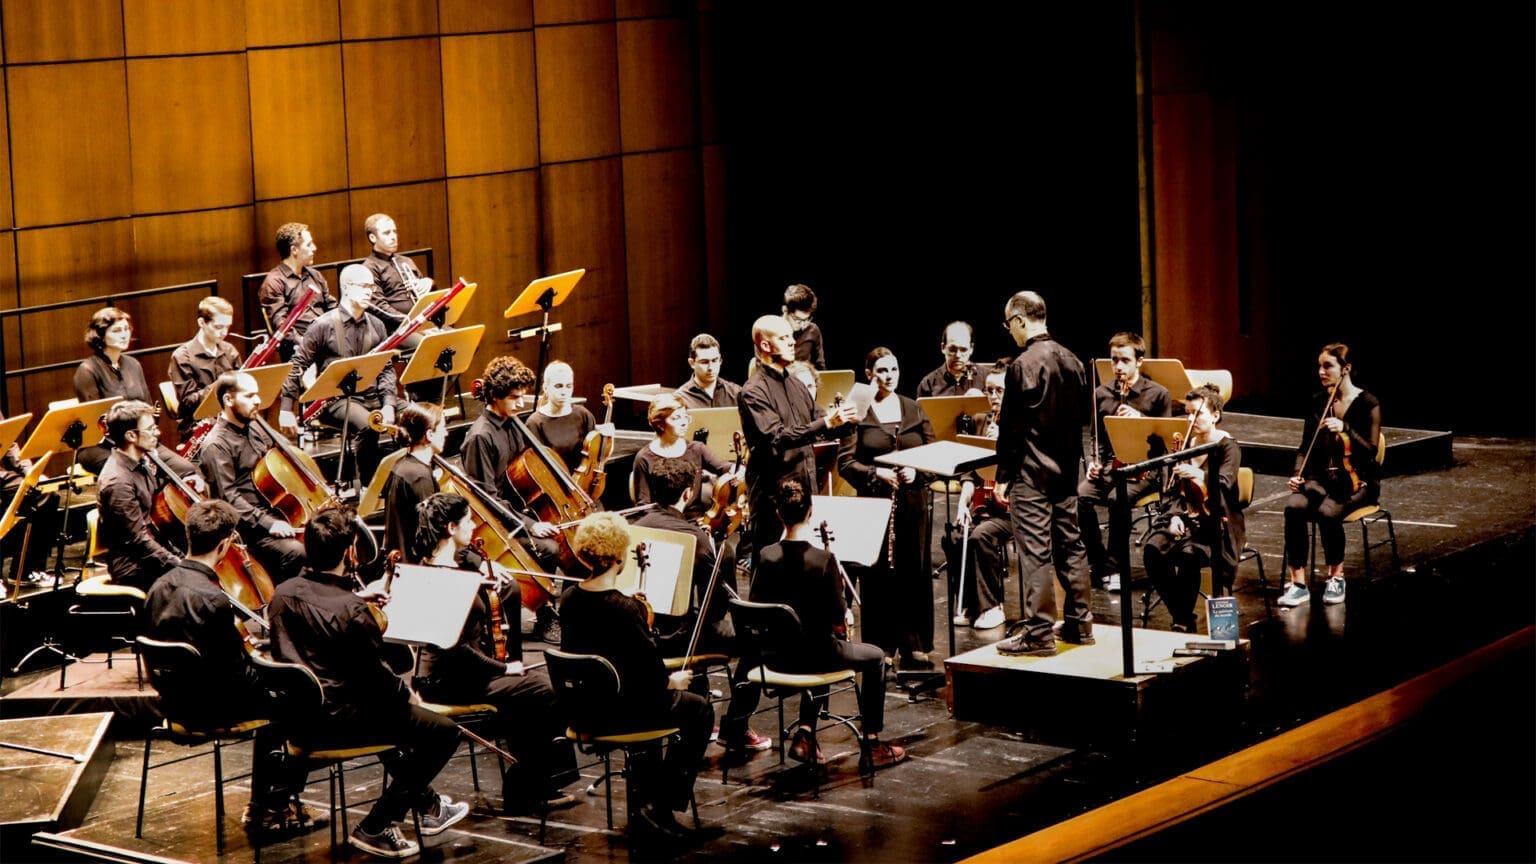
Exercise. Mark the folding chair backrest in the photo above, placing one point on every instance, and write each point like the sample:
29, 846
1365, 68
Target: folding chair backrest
167, 663
586, 685
1245, 486
298, 692
773, 629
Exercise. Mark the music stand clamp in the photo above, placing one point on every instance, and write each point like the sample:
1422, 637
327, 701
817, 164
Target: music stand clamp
339, 381
544, 293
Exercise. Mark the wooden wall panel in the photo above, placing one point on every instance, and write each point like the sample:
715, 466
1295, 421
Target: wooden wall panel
709, 109
477, 16
649, 8
718, 294
571, 11
578, 92
392, 138
371, 19
40, 31
495, 224
663, 239
490, 112
183, 26
291, 22
69, 165
658, 84
190, 127
189, 247
420, 212
5, 169
10, 298
329, 218
297, 121
583, 216
68, 263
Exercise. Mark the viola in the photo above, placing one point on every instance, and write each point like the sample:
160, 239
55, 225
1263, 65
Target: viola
498, 622
596, 448
642, 564
729, 508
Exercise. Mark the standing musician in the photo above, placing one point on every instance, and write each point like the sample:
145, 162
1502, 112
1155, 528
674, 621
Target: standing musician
1336, 472
135, 552
40, 509
898, 590
557, 423
799, 306
796, 573
673, 482
228, 457
599, 619
318, 621
1200, 520
221, 686
955, 376
1130, 394
486, 664
413, 480
780, 421
1039, 446
198, 361
344, 332
985, 516
490, 445
668, 416
288, 283
705, 388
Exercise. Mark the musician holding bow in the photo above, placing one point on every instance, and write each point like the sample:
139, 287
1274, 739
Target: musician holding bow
985, 516
228, 457
135, 552
1200, 518
344, 332
1129, 394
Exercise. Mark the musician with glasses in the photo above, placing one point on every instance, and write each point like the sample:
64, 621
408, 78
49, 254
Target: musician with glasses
135, 551
985, 517
288, 283
956, 376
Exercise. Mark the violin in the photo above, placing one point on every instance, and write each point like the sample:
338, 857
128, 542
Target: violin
1191, 491
985, 498
498, 624
642, 564
591, 474
396, 656
729, 509
824, 531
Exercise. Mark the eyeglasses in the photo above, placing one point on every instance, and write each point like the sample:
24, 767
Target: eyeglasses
957, 349
1008, 325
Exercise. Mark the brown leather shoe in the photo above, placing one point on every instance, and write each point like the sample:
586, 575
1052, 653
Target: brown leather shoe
882, 754
804, 746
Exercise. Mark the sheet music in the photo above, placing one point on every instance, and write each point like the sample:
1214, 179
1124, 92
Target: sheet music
428, 605
669, 576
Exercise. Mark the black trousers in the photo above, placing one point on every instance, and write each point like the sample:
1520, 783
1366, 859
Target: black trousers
425, 742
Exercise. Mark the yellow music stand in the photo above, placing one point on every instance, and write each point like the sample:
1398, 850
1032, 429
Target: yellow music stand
832, 383
58, 429
269, 381
448, 315
10, 429
13, 515
944, 411
669, 579
719, 425
1167, 371
544, 293
443, 354
343, 378
1133, 437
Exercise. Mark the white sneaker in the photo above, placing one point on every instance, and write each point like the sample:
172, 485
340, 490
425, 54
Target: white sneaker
1295, 595
961, 619
1112, 582
993, 617
1333, 593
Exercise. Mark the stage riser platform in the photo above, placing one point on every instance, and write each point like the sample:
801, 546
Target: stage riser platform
49, 792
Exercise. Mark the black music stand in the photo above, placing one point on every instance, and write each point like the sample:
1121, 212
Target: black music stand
443, 354
75, 427
544, 293
339, 381
945, 459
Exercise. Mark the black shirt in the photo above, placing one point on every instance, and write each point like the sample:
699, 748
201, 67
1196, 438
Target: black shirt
808, 345
320, 623
283, 289
336, 335
780, 422
192, 372
1147, 396
564, 434
696, 452
940, 383
187, 605
228, 457
612, 625
725, 396
490, 445
388, 276
471, 662
806, 579
135, 553
409, 484
95, 378
1040, 427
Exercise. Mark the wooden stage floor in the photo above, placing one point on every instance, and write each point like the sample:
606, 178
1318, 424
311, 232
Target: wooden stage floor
1467, 538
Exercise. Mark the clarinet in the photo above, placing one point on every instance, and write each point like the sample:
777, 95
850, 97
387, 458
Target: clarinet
890, 525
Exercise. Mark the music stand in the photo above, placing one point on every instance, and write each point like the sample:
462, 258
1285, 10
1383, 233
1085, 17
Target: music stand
269, 381
449, 314
944, 412
339, 381
72, 426
13, 514
1167, 371
544, 293
646, 393
946, 459
10, 429
429, 605
716, 427
373, 497
669, 576
1136, 439
443, 354
831, 383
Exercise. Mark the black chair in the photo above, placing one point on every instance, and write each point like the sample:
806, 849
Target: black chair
772, 633
168, 661
587, 686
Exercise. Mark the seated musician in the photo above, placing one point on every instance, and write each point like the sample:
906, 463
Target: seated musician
955, 376
985, 517
318, 621
135, 552
559, 424
198, 361
41, 512
228, 457
806, 578
397, 281
414, 479
345, 332
112, 371
669, 417
807, 374
706, 389
290, 282
1130, 394
490, 445
673, 482
1200, 519
596, 618
486, 667
188, 605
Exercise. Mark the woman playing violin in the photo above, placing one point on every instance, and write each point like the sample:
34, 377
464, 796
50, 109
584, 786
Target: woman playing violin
1201, 520
558, 423
898, 596
670, 419
486, 664
412, 480
1336, 472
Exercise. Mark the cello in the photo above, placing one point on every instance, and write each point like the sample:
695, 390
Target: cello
494, 536
289, 478
550, 493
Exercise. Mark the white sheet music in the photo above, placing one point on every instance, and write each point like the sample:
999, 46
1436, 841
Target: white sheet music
428, 605
669, 574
